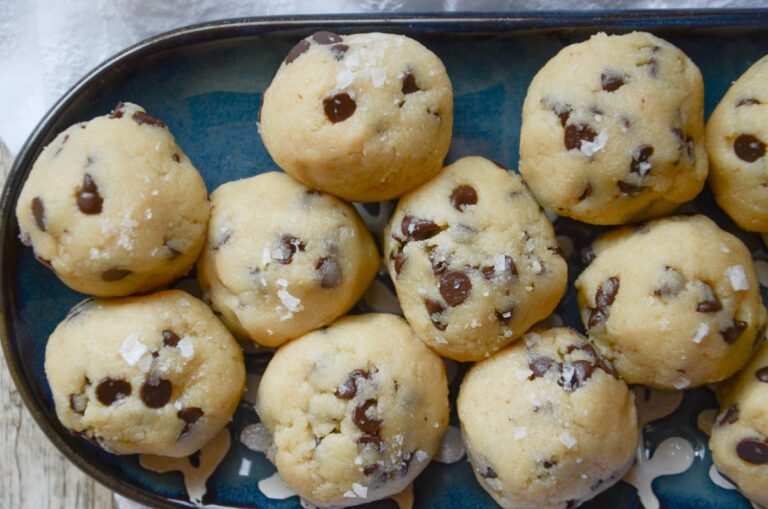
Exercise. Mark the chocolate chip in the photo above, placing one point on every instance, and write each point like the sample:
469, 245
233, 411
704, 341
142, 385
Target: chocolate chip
415, 228
403, 467
330, 272
732, 333
749, 148
339, 107
577, 133
348, 389
576, 375
628, 188
114, 274
640, 165
505, 317
326, 38
435, 307
110, 390
710, 304
339, 50
189, 415
435, 114
604, 297
371, 439
78, 402
753, 451
626, 123
653, 67
509, 268
289, 245
672, 283
370, 469
549, 463
38, 212
562, 110
221, 240
170, 338
141, 117
176, 158
439, 263
89, 201
463, 196
747, 101
297, 51
398, 259
66, 137
194, 459
156, 392
612, 81
455, 287
363, 421
586, 193
539, 365
587, 255
762, 374
409, 83
488, 473
117, 111
730, 416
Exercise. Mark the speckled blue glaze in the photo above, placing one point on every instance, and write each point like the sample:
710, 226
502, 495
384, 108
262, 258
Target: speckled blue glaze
207, 85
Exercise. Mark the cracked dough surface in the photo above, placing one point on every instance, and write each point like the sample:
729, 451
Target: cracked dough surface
114, 206
674, 303
613, 130
281, 259
356, 410
157, 374
546, 423
474, 259
365, 116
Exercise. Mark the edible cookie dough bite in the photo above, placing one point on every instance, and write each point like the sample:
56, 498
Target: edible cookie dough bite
356, 410
546, 423
114, 206
281, 259
365, 116
474, 259
613, 130
739, 439
673, 303
157, 374
737, 133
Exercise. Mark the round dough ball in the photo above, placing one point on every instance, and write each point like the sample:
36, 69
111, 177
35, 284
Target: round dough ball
157, 374
674, 303
739, 440
365, 116
612, 130
356, 410
546, 423
281, 259
114, 206
737, 134
474, 260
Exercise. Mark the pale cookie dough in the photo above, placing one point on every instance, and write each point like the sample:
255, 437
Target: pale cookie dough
281, 259
365, 116
737, 133
613, 130
157, 374
674, 303
474, 260
356, 410
739, 440
546, 423
114, 206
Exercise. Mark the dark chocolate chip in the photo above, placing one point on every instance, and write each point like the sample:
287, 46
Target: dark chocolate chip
550, 463
194, 459
339, 107
748, 148
611, 81
733, 333
710, 304
415, 228
363, 421
339, 50
539, 365
730, 416
439, 263
176, 158
114, 274
762, 374
409, 83
156, 392
455, 287
170, 338
110, 390
38, 212
289, 245
628, 188
141, 117
586, 193
562, 110
117, 111
89, 201
653, 67
582, 371
489, 473
435, 307
398, 259
463, 196
189, 415
747, 101
508, 269
641, 155
329, 269
297, 51
326, 38
348, 389
505, 317
753, 451
604, 297
576, 133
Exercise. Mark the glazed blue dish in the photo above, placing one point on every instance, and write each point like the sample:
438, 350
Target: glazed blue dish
206, 83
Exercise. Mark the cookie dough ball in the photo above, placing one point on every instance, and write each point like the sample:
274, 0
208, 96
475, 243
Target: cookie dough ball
546, 423
295, 261
474, 260
739, 440
737, 133
157, 374
674, 303
114, 206
356, 410
365, 116
613, 130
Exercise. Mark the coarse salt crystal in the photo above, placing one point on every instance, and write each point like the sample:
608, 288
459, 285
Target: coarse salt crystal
133, 350
520, 433
567, 440
186, 348
523, 374
701, 332
420, 456
682, 383
344, 79
475, 323
737, 277
590, 148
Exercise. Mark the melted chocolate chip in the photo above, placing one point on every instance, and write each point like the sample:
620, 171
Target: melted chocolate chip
114, 274
110, 390
753, 451
539, 365
748, 148
611, 81
141, 117
363, 421
297, 51
415, 228
348, 389
155, 393
38, 212
339, 50
435, 307
409, 83
640, 158
762, 374
170, 338
189, 415
463, 196
710, 304
733, 333
288, 247
604, 297
89, 201
576, 133
117, 111
326, 38
729, 416
505, 317
747, 101
455, 287
489, 473
329, 269
339, 107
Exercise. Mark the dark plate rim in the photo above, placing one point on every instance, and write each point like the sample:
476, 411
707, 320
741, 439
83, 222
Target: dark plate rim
460, 22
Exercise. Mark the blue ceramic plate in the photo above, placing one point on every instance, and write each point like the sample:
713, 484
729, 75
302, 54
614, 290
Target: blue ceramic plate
206, 83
